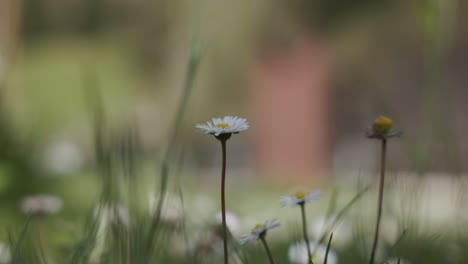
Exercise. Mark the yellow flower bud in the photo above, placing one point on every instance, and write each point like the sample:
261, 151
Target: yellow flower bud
382, 125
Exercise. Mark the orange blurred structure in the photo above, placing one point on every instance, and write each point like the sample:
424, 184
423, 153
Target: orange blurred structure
289, 103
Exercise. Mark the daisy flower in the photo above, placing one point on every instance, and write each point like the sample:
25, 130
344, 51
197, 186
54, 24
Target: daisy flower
41, 204
382, 129
259, 231
222, 129
5, 253
299, 198
226, 125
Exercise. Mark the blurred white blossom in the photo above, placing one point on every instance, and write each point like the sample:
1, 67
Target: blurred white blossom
297, 253
395, 261
342, 231
232, 222
172, 210
5, 255
112, 213
63, 156
41, 204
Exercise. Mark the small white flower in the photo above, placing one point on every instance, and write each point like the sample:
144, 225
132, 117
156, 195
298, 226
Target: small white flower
63, 157
342, 230
41, 204
5, 254
397, 260
225, 125
259, 231
297, 253
299, 198
172, 210
112, 213
232, 222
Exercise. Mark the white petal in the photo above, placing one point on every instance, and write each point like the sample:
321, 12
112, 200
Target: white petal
288, 200
247, 239
312, 196
271, 223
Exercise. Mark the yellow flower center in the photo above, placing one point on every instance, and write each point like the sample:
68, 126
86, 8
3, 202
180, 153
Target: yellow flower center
382, 125
257, 227
300, 195
222, 125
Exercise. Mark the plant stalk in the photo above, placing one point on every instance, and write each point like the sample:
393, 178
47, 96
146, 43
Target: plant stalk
267, 249
380, 200
304, 229
223, 200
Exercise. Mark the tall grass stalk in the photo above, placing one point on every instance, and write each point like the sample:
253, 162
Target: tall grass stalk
18, 244
192, 68
328, 249
380, 199
304, 230
267, 249
223, 199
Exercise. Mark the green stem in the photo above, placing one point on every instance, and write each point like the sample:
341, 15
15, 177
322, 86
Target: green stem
304, 229
380, 201
267, 249
223, 200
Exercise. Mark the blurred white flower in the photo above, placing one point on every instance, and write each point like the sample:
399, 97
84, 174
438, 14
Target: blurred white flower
232, 222
390, 229
200, 208
299, 198
41, 204
225, 125
5, 255
112, 213
342, 231
297, 253
259, 231
395, 261
63, 157
106, 214
172, 210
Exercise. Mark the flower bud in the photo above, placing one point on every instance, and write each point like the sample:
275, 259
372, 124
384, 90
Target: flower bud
382, 126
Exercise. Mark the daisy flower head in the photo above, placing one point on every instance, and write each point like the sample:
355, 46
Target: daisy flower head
223, 128
41, 204
299, 198
382, 128
259, 231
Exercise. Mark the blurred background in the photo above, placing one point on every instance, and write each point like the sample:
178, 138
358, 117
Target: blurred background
309, 76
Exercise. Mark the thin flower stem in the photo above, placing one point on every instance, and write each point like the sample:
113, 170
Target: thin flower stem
304, 229
267, 249
380, 201
223, 201
328, 249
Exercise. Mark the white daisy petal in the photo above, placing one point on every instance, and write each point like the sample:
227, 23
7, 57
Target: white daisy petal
271, 223
312, 196
247, 239
259, 231
224, 125
299, 198
288, 201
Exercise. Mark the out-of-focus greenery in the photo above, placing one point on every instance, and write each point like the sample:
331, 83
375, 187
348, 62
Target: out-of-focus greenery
45, 97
